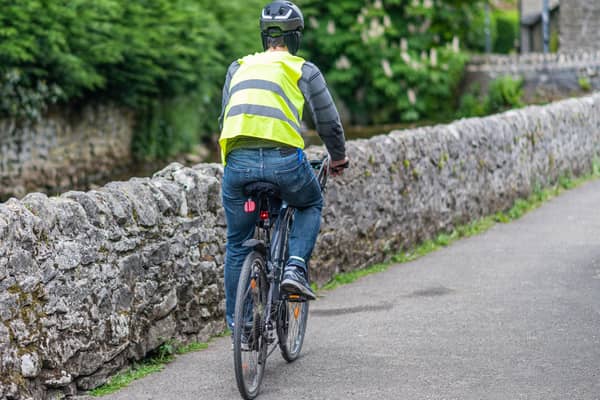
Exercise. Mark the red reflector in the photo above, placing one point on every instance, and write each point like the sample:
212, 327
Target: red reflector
264, 215
250, 206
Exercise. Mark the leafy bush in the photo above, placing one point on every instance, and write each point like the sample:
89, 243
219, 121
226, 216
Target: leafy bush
131, 51
144, 54
507, 28
503, 94
390, 61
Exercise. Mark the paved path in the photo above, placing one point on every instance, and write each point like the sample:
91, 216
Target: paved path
511, 314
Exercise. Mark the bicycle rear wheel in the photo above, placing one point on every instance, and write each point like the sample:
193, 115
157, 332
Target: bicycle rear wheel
291, 327
249, 344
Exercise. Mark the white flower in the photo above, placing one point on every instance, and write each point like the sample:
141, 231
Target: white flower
456, 44
331, 27
411, 28
378, 4
364, 37
404, 44
423, 55
412, 97
314, 23
343, 63
405, 57
428, 3
387, 68
433, 57
387, 22
360, 19
376, 29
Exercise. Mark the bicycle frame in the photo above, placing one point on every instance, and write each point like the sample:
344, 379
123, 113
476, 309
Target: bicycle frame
274, 249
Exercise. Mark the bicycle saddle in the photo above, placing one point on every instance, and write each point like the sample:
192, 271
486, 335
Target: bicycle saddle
256, 189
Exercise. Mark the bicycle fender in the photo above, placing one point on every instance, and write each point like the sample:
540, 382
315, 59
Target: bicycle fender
257, 245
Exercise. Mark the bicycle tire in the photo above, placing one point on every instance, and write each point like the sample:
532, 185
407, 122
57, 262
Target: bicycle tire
291, 328
250, 357
290, 331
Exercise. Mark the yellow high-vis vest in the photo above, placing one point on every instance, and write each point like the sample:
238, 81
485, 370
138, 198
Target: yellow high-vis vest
265, 101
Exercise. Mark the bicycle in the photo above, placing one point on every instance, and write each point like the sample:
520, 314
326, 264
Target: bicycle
265, 316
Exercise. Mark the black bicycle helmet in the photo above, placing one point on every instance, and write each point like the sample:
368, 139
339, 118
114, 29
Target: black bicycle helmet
282, 18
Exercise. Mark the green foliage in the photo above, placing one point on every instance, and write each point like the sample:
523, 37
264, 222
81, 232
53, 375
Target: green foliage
169, 127
165, 55
130, 51
503, 94
585, 84
507, 28
394, 60
123, 379
554, 41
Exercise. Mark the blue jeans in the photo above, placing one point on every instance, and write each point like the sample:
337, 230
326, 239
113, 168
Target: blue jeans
299, 188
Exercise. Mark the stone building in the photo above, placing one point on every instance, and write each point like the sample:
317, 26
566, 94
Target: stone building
531, 24
579, 25
576, 23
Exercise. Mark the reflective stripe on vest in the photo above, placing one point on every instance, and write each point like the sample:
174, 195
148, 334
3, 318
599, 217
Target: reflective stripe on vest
265, 111
266, 85
265, 101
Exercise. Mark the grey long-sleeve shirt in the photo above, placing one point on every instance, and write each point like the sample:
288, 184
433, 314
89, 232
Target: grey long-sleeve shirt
320, 103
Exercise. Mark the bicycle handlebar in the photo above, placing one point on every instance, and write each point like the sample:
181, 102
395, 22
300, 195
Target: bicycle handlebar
322, 167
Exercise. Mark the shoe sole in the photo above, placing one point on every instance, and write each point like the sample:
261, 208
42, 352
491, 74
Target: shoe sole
290, 286
245, 347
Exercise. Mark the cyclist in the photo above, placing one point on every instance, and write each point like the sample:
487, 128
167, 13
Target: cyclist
263, 99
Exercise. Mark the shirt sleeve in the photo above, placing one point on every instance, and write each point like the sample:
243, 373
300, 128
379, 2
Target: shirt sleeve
325, 115
225, 100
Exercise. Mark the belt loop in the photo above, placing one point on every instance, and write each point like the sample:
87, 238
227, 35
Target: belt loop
300, 155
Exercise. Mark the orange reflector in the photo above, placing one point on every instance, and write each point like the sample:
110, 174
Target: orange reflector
296, 312
253, 283
294, 296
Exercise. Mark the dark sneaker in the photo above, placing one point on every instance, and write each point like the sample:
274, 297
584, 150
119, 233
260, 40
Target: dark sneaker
245, 346
294, 282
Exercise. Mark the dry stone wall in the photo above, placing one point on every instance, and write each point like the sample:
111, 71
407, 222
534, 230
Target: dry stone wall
545, 76
67, 148
91, 281
579, 25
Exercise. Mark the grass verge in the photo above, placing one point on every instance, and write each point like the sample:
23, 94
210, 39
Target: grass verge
155, 362
519, 208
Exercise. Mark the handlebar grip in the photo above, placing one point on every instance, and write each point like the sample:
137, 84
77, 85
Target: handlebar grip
338, 168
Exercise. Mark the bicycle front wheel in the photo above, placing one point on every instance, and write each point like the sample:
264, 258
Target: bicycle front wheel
249, 344
291, 326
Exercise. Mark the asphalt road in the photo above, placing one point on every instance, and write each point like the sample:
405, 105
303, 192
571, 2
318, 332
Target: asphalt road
511, 314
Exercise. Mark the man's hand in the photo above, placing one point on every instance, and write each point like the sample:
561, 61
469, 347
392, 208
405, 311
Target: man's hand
336, 168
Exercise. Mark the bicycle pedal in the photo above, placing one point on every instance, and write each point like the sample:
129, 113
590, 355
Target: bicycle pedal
297, 298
